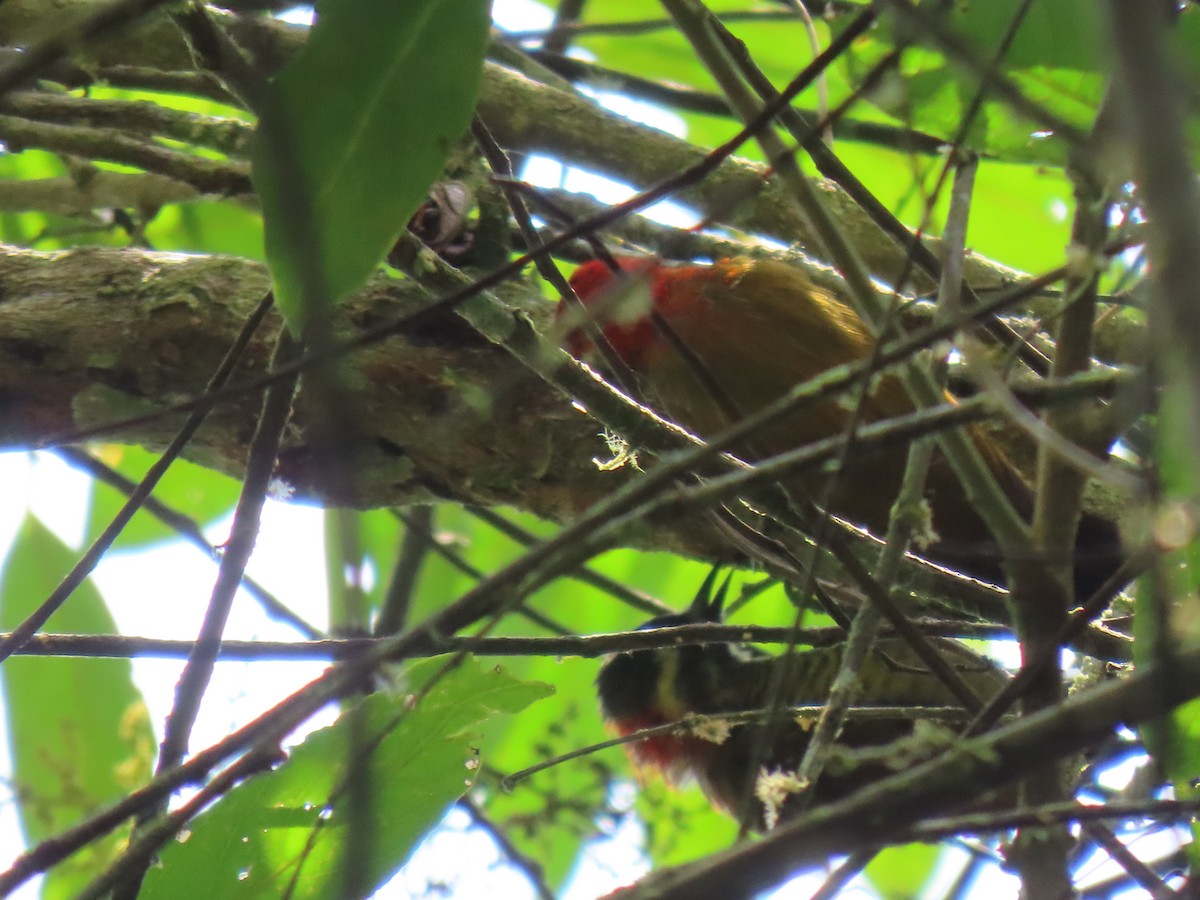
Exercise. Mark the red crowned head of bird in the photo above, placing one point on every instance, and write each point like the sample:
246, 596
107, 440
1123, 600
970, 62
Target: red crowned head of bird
619, 301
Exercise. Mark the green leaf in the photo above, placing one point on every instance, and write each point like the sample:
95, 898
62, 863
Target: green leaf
1066, 33
659, 53
1040, 199
900, 872
207, 227
355, 130
550, 815
1058, 59
79, 731
290, 825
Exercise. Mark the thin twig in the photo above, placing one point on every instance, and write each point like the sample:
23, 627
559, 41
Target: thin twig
187, 529
598, 580
528, 866
690, 725
154, 474
122, 646
197, 673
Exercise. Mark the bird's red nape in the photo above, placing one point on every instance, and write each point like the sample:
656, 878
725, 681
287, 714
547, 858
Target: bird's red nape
594, 278
674, 290
593, 282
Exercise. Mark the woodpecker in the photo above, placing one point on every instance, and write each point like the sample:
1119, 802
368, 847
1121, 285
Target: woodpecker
752, 330
642, 689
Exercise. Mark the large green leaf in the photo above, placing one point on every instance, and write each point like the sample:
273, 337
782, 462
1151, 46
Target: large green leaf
290, 826
1053, 33
1039, 199
79, 733
354, 131
1058, 59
